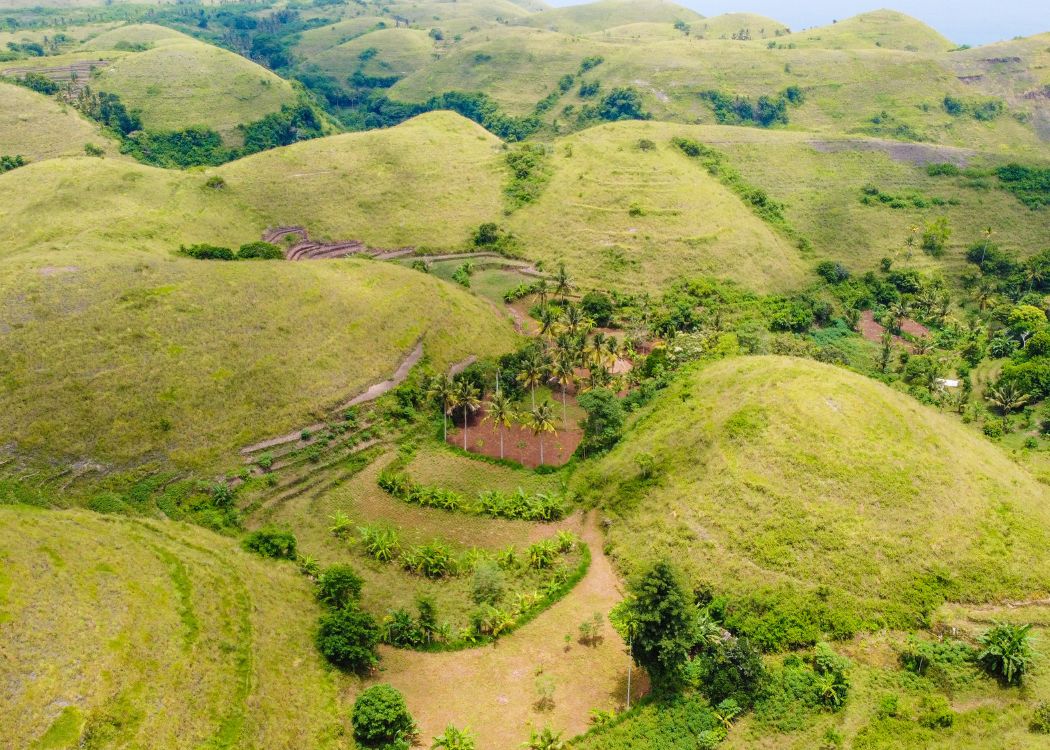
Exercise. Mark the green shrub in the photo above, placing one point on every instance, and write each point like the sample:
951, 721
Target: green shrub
1007, 652
432, 560
598, 307
603, 426
7, 163
380, 717
90, 149
935, 712
260, 251
1041, 718
271, 542
207, 252
348, 638
486, 587
339, 585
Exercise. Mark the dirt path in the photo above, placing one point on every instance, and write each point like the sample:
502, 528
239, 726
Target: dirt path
386, 386
493, 690
371, 394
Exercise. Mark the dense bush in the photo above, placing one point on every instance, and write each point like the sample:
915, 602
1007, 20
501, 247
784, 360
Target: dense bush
259, 251
603, 425
272, 542
832, 272
1031, 185
348, 638
381, 718
207, 252
517, 505
39, 83
529, 175
178, 149
598, 307
108, 110
339, 585
298, 122
7, 163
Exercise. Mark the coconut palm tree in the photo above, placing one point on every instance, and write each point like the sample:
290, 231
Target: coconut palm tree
467, 396
541, 421
898, 312
1007, 397
564, 372
575, 320
984, 295
548, 323
440, 389
532, 374
1033, 275
542, 290
562, 282
500, 412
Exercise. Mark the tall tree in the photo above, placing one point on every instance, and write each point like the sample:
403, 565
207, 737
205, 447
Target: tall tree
467, 396
501, 413
441, 389
562, 282
541, 421
532, 374
564, 371
663, 624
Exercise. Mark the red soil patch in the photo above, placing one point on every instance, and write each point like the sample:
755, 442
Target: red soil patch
872, 330
519, 444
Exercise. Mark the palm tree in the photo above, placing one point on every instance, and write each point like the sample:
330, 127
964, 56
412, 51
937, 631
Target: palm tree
984, 295
542, 290
575, 320
898, 312
1007, 397
440, 389
548, 322
500, 412
564, 372
562, 282
540, 421
1033, 275
467, 397
532, 374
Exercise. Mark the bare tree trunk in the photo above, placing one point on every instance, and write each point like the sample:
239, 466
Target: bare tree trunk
541, 449
464, 428
501, 443
564, 409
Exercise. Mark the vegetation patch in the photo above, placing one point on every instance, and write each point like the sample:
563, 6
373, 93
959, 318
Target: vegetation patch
766, 112
519, 505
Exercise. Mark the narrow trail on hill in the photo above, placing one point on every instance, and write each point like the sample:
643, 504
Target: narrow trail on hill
501, 702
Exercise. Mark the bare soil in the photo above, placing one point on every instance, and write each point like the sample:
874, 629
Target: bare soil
493, 690
519, 443
911, 153
872, 330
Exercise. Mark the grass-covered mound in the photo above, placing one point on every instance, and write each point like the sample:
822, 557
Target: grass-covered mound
606, 14
38, 127
387, 54
141, 358
631, 216
887, 29
132, 35
428, 182
141, 634
815, 500
730, 26
180, 83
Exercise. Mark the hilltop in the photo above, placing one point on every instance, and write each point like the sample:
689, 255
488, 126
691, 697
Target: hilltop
606, 14
886, 29
776, 475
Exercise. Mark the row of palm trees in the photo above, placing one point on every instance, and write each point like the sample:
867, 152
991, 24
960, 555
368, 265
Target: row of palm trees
463, 394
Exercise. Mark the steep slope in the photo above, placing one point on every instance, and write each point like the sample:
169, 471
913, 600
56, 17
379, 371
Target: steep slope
136, 633
606, 14
881, 28
182, 82
134, 34
177, 362
383, 53
628, 218
428, 182
38, 127
314, 41
775, 473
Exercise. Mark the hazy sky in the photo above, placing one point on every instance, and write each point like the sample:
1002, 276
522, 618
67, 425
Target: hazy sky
963, 21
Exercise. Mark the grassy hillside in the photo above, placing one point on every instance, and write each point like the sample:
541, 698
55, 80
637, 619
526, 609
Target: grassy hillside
628, 218
882, 28
820, 181
181, 83
606, 14
145, 634
318, 40
38, 127
726, 25
138, 33
381, 53
140, 358
775, 473
428, 182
